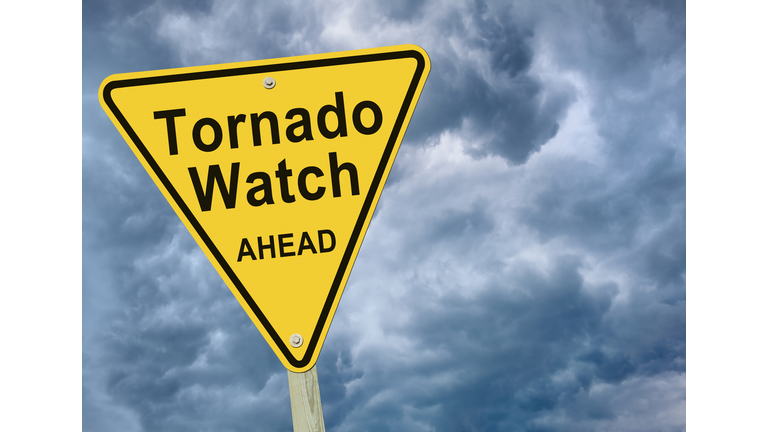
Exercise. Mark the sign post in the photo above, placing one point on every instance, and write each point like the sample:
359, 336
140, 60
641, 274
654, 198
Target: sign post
306, 409
275, 167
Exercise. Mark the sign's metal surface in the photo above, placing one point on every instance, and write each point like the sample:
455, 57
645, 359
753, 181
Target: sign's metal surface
275, 167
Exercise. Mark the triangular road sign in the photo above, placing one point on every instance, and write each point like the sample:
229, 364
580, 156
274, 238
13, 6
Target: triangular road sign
275, 167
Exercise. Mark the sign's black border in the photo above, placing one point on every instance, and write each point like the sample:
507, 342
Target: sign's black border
261, 69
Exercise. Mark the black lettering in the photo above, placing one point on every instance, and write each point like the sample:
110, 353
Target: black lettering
304, 124
336, 170
284, 245
196, 132
169, 116
245, 250
322, 243
283, 173
270, 246
377, 118
233, 122
265, 186
214, 174
303, 183
338, 110
306, 243
256, 127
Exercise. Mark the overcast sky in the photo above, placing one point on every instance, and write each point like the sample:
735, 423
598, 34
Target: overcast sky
526, 266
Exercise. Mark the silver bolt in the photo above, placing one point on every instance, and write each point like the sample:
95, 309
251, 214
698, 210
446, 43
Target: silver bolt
269, 82
296, 340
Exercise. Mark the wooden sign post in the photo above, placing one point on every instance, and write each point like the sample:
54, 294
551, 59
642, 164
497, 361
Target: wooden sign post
306, 410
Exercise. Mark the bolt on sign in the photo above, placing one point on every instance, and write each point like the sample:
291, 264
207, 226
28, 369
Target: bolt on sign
275, 167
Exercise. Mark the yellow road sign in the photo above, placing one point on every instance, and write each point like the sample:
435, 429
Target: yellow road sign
275, 167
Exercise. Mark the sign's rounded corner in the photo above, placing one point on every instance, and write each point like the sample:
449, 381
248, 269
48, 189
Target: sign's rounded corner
105, 90
103, 87
299, 366
422, 54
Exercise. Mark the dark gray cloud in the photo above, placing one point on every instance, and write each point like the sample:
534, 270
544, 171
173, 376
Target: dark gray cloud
525, 268
483, 86
520, 349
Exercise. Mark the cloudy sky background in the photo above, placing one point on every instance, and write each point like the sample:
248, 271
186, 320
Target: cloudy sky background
526, 266
525, 269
